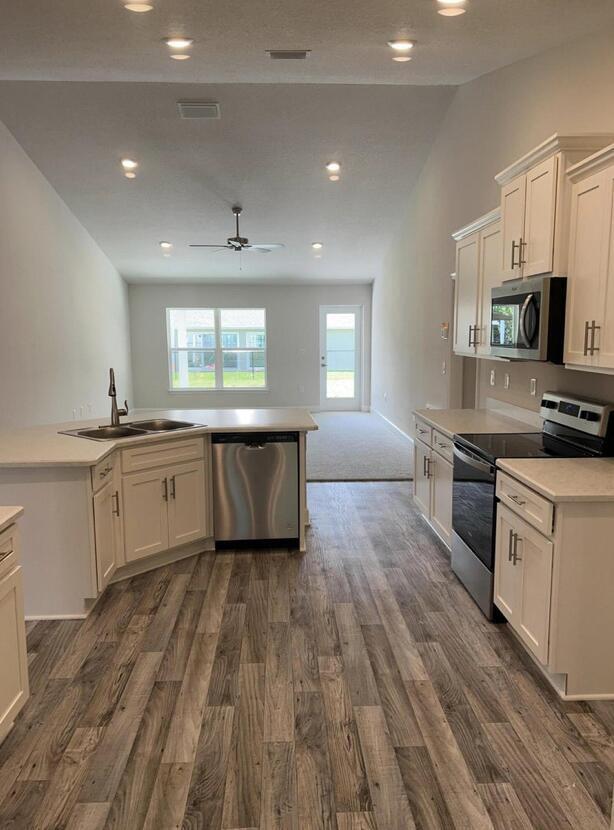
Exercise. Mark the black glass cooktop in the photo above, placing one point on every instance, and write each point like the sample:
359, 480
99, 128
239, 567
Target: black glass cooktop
519, 445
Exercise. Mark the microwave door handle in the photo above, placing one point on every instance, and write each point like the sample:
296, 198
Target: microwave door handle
472, 461
523, 316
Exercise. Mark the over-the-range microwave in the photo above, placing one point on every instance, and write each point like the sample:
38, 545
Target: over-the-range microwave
528, 319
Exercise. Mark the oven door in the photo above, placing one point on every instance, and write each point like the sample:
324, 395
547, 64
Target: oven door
473, 503
518, 317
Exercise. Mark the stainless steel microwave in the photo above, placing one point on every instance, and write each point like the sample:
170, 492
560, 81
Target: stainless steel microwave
527, 319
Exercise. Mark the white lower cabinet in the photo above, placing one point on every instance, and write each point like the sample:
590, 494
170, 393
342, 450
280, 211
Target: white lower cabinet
106, 504
523, 580
187, 513
145, 498
14, 687
433, 489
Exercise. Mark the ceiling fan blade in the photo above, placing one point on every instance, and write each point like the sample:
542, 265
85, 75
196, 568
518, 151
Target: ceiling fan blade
265, 247
219, 247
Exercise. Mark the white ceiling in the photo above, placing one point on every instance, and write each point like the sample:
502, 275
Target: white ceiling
267, 152
99, 40
84, 83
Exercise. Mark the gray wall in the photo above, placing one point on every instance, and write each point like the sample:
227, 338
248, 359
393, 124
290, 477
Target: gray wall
63, 306
490, 122
292, 330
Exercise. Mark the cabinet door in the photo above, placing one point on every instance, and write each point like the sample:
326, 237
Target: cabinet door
538, 238
118, 518
441, 497
604, 337
13, 656
512, 226
532, 620
466, 294
586, 262
104, 533
490, 276
145, 502
187, 505
507, 575
422, 482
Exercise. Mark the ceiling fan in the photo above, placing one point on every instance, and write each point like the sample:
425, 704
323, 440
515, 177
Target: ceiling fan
241, 243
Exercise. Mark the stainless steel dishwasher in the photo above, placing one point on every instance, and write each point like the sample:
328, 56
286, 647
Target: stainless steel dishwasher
255, 486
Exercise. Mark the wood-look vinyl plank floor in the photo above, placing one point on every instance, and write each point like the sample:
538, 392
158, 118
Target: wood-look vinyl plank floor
353, 687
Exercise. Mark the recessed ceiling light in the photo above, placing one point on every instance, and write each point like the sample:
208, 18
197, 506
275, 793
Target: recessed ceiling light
401, 58
138, 7
129, 164
178, 42
401, 45
181, 57
334, 178
316, 246
452, 8
130, 174
333, 167
166, 245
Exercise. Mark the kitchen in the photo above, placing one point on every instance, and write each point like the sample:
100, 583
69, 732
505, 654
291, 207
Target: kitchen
338, 668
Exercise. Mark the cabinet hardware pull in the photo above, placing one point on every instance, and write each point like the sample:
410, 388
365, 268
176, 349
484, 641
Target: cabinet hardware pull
517, 558
521, 245
469, 343
585, 338
172, 487
594, 327
424, 466
509, 546
428, 467
513, 254
115, 510
517, 500
165, 489
5, 553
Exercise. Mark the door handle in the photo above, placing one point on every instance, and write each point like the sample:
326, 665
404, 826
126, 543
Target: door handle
172, 487
513, 265
521, 245
471, 343
594, 327
165, 489
509, 546
515, 550
585, 338
428, 467
115, 509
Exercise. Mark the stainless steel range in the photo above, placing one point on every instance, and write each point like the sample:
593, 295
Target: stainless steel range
572, 428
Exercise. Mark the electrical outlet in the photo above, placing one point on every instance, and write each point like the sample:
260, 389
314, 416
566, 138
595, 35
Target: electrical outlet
492, 377
506, 381
444, 367
533, 387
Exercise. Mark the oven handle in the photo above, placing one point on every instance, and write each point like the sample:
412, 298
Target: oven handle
523, 314
472, 461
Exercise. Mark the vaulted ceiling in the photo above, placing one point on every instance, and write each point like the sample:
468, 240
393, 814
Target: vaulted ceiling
83, 84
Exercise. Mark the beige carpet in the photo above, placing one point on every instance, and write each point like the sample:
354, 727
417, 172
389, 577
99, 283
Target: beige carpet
357, 446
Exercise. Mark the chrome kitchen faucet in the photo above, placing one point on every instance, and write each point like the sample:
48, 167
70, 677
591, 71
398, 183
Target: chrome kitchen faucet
115, 412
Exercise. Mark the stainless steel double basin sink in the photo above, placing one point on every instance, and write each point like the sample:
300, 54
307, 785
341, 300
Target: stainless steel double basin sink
131, 430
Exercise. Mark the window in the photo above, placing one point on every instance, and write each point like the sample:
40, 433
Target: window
216, 348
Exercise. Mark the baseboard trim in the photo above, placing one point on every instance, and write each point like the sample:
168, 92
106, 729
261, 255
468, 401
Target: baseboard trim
39, 617
167, 557
393, 425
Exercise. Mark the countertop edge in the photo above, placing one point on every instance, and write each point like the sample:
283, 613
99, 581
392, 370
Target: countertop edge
503, 420
551, 495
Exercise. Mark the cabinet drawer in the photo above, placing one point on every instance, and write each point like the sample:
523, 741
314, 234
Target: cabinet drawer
103, 471
424, 432
443, 445
135, 459
533, 508
8, 549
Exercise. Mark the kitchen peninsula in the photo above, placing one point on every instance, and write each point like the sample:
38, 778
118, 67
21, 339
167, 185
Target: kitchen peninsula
100, 511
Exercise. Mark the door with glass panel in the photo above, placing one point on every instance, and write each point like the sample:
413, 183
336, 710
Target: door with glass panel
340, 357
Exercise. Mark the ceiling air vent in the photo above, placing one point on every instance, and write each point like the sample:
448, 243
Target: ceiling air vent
198, 109
288, 54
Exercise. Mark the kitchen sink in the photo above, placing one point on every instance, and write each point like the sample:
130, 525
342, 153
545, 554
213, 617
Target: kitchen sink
163, 425
108, 433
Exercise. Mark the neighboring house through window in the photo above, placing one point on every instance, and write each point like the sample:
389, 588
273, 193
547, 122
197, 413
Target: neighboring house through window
216, 348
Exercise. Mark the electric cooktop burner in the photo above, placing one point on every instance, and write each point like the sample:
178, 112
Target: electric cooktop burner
519, 445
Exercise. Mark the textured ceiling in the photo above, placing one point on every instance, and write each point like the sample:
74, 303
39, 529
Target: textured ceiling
267, 152
99, 40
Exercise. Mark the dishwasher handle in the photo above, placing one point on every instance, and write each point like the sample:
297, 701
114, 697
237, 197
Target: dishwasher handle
254, 440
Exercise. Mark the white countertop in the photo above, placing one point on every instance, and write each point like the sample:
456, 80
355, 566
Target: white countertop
454, 421
42, 446
564, 479
9, 515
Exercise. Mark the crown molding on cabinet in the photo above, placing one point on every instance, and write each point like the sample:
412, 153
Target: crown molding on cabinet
593, 164
557, 143
477, 224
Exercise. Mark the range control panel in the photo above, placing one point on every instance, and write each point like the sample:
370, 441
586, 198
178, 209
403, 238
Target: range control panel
592, 417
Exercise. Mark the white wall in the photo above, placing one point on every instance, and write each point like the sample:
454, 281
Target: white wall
292, 331
63, 306
490, 122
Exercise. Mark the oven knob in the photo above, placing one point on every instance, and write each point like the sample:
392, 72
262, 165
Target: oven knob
590, 416
549, 404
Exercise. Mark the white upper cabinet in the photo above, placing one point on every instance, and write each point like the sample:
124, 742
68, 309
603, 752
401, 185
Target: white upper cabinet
589, 333
478, 269
535, 206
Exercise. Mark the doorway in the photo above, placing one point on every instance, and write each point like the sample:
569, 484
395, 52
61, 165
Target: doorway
340, 357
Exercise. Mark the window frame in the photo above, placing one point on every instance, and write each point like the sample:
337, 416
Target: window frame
218, 351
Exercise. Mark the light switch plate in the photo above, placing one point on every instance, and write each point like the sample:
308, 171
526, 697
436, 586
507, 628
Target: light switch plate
506, 381
444, 367
492, 377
